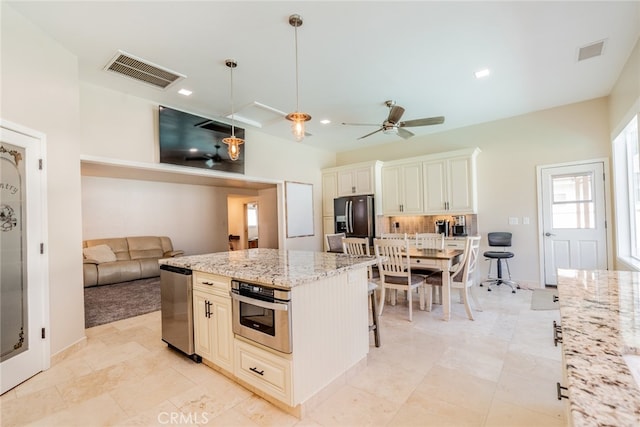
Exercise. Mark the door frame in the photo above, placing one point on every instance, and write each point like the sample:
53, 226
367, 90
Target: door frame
39, 275
607, 208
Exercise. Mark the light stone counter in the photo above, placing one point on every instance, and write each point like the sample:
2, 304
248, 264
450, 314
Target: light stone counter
276, 267
600, 319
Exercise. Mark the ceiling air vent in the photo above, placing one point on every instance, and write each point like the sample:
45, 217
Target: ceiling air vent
141, 70
591, 50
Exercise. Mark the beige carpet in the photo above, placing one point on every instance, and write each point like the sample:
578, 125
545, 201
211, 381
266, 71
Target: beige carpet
542, 299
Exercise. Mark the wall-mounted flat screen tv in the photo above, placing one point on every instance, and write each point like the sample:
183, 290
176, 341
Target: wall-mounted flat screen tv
190, 140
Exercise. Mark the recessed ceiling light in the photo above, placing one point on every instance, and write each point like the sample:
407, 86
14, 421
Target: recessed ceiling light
185, 92
325, 121
193, 150
480, 74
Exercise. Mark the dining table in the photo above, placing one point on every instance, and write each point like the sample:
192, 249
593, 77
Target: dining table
443, 260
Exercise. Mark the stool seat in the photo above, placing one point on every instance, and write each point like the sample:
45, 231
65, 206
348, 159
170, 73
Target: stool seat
498, 254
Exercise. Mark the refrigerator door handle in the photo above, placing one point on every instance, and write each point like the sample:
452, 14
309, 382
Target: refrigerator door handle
346, 215
351, 216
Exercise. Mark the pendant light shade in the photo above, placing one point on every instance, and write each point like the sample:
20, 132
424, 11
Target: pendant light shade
297, 118
233, 143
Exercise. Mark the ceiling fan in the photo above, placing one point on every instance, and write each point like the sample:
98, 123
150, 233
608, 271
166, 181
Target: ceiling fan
211, 159
393, 125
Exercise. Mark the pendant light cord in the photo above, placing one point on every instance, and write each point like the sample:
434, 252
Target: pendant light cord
233, 128
297, 73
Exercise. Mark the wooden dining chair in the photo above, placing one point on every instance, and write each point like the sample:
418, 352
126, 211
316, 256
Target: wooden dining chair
359, 246
462, 277
333, 242
395, 271
430, 241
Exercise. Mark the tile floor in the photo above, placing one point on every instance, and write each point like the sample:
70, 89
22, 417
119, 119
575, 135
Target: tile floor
499, 370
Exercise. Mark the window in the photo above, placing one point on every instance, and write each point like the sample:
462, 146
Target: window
573, 204
626, 152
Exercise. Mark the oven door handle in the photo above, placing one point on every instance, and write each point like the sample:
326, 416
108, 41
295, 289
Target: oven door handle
262, 304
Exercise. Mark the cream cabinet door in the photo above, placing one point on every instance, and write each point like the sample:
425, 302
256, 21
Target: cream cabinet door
329, 192
212, 330
460, 185
221, 332
355, 181
202, 325
448, 186
402, 189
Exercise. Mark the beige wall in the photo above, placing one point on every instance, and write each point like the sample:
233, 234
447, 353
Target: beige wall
511, 150
39, 83
625, 95
194, 216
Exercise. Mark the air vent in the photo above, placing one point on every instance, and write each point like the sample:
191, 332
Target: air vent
591, 50
141, 70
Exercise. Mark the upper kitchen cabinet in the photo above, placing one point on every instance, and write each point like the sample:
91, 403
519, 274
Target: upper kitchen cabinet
329, 192
357, 180
402, 192
350, 180
450, 183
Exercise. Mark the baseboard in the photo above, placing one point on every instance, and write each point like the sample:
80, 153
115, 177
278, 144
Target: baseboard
68, 351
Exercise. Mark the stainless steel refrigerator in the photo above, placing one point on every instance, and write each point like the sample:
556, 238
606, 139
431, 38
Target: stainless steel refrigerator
355, 216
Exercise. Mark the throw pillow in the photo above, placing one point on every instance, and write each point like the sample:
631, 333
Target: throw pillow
100, 253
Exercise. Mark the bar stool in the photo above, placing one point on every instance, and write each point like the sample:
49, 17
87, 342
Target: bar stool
499, 239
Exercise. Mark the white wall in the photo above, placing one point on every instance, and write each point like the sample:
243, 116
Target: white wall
511, 150
39, 82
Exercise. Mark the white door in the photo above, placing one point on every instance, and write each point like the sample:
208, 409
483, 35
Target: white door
573, 218
23, 276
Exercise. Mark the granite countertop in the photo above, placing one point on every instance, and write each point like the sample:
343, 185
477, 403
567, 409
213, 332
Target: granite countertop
600, 319
283, 268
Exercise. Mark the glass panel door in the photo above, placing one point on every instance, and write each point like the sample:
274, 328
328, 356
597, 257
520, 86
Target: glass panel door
13, 258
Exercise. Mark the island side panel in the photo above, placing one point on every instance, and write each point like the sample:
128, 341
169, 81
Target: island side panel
330, 321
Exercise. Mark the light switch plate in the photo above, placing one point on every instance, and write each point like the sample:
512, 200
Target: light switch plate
513, 220
525, 220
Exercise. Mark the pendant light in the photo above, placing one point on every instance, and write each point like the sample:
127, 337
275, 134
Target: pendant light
298, 118
233, 143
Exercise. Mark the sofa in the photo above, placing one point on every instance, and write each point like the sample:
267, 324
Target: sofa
121, 259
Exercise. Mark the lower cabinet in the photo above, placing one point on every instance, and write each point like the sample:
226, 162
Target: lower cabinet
264, 370
212, 329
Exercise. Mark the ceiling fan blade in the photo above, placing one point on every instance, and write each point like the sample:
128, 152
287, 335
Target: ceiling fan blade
361, 124
403, 133
422, 122
395, 113
369, 134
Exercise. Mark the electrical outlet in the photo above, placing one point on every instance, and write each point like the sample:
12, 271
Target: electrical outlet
525, 220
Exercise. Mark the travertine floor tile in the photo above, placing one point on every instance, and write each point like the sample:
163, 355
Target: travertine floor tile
499, 370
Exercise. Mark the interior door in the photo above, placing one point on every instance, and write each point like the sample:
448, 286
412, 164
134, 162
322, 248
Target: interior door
23, 290
573, 218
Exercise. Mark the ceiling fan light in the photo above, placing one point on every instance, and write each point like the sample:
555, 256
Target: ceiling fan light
297, 125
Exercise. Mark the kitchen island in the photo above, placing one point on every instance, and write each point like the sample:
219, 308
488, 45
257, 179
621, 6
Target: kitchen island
329, 320
600, 321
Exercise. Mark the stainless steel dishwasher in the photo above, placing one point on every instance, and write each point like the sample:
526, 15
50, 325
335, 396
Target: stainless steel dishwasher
176, 292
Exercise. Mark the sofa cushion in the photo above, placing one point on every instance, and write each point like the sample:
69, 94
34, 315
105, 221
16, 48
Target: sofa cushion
149, 267
118, 245
145, 247
118, 271
99, 253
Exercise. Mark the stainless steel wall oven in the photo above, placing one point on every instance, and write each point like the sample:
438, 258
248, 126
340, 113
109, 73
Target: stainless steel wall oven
262, 314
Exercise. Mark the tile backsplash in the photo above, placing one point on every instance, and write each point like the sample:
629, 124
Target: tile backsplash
421, 224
